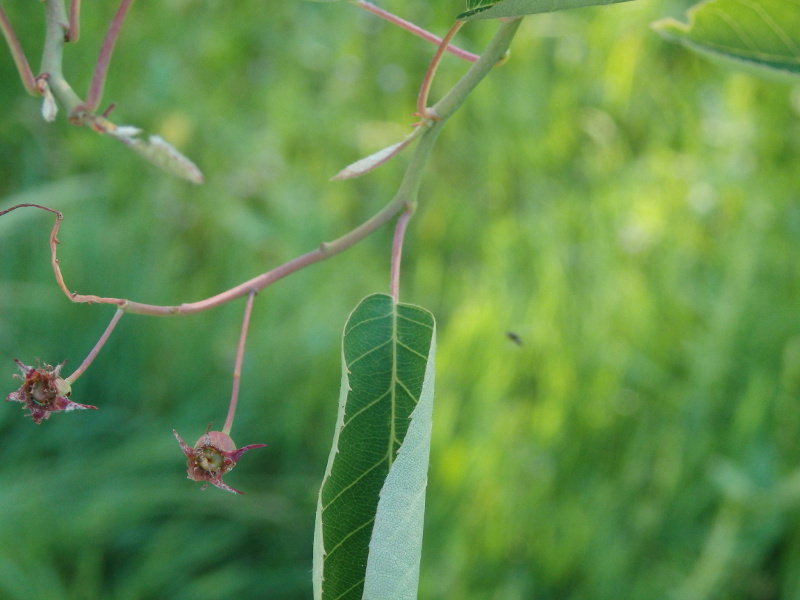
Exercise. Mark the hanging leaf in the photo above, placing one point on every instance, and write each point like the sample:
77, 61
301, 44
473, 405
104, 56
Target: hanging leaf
761, 37
159, 152
492, 9
368, 535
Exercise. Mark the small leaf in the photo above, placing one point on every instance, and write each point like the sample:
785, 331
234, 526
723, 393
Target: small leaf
761, 37
492, 9
159, 152
368, 531
373, 161
49, 106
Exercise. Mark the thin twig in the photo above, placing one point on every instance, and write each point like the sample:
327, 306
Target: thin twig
406, 194
425, 88
237, 369
59, 216
100, 343
415, 29
25, 73
397, 250
74, 32
57, 268
101, 68
53, 56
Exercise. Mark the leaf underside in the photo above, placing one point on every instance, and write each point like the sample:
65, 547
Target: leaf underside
375, 481
492, 9
760, 36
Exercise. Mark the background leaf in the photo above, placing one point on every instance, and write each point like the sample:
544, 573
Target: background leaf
385, 355
489, 9
763, 37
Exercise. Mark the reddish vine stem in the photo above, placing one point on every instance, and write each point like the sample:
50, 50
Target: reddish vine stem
97, 347
405, 196
237, 369
59, 216
21, 62
397, 249
106, 50
74, 33
425, 88
415, 29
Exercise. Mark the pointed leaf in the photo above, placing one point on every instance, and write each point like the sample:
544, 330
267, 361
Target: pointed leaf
373, 161
762, 37
160, 153
368, 531
492, 9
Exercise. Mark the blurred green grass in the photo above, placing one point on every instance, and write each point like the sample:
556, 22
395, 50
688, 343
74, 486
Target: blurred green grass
629, 211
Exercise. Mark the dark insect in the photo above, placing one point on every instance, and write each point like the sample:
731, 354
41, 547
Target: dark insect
514, 338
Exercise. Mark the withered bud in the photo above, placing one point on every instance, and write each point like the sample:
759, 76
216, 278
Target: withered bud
43, 392
213, 455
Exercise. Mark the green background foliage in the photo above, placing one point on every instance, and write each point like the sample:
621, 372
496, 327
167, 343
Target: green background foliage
629, 210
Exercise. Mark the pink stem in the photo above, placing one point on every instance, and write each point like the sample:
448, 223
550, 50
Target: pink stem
97, 347
415, 29
237, 369
422, 100
74, 33
25, 73
101, 68
397, 250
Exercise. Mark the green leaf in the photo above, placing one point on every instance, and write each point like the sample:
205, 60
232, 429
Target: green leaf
368, 534
159, 152
492, 9
762, 36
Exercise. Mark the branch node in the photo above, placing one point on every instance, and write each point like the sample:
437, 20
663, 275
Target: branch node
503, 59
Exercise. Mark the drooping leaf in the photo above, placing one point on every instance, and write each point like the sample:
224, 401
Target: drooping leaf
494, 9
159, 152
368, 531
762, 36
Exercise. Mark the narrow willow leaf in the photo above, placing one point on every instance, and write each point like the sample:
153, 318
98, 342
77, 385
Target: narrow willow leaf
159, 152
368, 530
366, 164
761, 37
494, 9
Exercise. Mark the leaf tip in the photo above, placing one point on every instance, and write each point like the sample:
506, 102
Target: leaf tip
373, 161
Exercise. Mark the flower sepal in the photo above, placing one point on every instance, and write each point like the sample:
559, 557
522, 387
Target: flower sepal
44, 391
213, 455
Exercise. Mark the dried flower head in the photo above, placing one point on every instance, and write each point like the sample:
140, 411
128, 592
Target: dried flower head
213, 455
43, 391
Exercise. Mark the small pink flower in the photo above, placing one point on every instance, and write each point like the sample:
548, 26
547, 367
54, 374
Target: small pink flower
213, 455
43, 392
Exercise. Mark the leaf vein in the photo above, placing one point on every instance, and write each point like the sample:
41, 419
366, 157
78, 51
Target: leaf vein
352, 483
